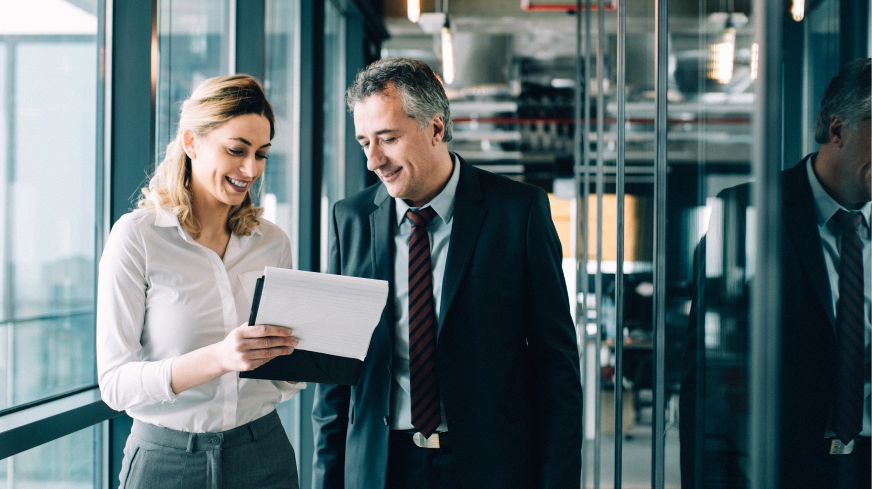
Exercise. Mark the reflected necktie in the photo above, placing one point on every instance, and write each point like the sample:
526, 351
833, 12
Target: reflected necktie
422, 326
850, 334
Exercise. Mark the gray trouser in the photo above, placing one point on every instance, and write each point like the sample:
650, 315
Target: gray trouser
257, 454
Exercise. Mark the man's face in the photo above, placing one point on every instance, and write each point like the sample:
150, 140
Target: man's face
855, 163
403, 156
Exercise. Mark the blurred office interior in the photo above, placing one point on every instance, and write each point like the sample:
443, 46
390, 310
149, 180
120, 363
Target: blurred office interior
633, 117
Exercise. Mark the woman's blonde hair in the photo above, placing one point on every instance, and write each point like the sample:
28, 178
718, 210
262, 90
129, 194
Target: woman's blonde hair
214, 102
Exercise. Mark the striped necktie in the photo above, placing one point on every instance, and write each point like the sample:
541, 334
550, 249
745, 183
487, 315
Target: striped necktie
422, 326
850, 334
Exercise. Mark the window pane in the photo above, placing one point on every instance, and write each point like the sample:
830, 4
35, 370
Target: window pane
281, 69
333, 176
48, 76
49, 356
193, 45
70, 462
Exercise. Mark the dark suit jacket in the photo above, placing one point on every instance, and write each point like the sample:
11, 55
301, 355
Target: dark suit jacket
717, 443
507, 360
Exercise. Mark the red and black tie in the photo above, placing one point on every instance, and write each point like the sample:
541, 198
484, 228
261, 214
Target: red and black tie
422, 326
850, 333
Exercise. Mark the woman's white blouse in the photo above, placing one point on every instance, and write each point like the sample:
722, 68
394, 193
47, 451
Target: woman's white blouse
161, 294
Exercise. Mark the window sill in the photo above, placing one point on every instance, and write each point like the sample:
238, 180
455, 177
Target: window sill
42, 423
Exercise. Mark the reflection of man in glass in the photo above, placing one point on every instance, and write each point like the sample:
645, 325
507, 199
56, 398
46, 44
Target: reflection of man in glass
825, 351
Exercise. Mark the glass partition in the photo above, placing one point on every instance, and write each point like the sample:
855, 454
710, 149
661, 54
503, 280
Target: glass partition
281, 83
193, 45
708, 297
281, 174
333, 174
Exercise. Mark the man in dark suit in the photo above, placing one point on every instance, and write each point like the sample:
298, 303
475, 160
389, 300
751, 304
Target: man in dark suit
825, 327
472, 375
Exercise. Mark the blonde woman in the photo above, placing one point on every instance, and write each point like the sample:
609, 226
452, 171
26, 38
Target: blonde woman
176, 281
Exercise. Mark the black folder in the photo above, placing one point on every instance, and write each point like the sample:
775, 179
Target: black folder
303, 365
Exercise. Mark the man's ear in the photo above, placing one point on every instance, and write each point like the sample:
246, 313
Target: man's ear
188, 143
438, 127
835, 132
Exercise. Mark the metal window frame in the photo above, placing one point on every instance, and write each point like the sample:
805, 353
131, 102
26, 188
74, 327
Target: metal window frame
310, 108
620, 172
765, 341
249, 38
28, 428
658, 441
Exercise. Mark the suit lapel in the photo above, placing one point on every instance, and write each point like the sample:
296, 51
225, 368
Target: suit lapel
801, 223
380, 246
469, 214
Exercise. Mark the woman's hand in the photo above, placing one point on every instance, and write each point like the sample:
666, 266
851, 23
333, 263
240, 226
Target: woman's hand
248, 347
245, 348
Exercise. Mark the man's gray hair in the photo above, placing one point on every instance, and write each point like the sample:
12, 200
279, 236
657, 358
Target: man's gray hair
419, 88
846, 98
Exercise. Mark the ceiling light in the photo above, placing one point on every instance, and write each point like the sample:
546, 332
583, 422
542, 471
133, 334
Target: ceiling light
755, 57
721, 57
413, 9
447, 54
798, 10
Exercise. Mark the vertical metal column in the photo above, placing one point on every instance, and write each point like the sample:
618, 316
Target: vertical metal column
232, 37
8, 213
598, 279
6, 250
585, 151
580, 311
699, 297
619, 259
248, 37
765, 340
585, 197
311, 157
104, 121
660, 172
157, 21
102, 467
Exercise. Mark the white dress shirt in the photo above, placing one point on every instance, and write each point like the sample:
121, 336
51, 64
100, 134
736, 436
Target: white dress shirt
161, 294
831, 240
439, 231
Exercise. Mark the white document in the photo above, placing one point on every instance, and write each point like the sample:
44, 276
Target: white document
330, 314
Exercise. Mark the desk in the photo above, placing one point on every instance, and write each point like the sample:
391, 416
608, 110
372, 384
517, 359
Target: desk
638, 368
635, 353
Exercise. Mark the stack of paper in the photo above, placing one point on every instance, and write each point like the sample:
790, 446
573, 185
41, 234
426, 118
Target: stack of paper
332, 315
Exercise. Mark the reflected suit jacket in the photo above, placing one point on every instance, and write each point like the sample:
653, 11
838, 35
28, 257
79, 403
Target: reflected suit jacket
808, 352
506, 360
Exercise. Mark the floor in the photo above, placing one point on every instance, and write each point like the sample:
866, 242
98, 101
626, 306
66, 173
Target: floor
636, 449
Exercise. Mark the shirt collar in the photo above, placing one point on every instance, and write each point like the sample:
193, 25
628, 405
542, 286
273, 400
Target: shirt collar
165, 218
825, 206
443, 203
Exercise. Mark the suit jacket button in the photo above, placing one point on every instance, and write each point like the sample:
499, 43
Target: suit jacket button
387, 420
